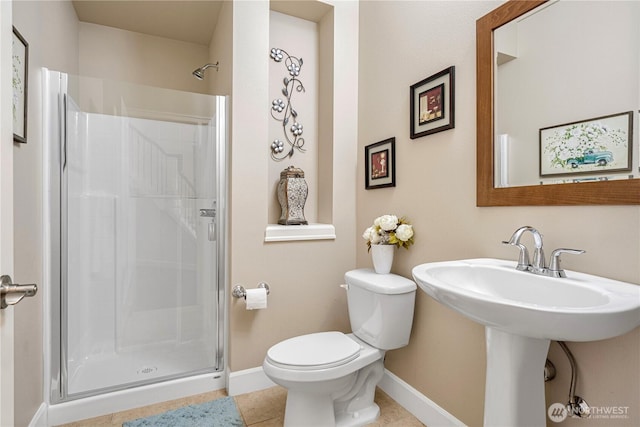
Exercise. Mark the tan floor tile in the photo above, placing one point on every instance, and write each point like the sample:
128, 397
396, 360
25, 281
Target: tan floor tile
102, 421
262, 405
273, 422
264, 408
409, 421
392, 414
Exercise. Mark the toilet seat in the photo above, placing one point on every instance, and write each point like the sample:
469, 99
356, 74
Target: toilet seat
321, 350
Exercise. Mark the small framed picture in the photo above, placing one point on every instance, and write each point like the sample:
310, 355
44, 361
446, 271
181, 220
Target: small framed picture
432, 104
593, 146
19, 80
380, 164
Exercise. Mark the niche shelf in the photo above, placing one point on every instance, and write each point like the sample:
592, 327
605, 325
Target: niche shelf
284, 233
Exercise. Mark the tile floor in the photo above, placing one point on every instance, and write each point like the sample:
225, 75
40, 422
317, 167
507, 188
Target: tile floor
263, 408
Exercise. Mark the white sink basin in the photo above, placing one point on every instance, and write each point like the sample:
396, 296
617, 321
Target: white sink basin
522, 312
580, 307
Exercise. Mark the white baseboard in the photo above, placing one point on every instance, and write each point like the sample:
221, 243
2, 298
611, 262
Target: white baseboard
40, 417
247, 381
423, 408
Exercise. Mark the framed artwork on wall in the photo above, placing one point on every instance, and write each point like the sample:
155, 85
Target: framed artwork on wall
19, 81
380, 164
593, 146
432, 104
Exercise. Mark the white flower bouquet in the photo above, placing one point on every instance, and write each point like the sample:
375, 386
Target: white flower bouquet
389, 230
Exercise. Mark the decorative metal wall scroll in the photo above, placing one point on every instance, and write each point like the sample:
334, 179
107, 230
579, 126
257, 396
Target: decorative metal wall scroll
283, 111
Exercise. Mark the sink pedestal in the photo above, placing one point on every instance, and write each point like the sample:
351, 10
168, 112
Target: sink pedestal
514, 393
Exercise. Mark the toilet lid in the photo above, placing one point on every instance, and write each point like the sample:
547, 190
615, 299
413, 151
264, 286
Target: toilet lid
314, 351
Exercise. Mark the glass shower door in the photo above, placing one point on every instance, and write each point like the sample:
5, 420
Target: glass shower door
139, 222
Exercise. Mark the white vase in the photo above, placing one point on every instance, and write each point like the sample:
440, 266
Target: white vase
382, 256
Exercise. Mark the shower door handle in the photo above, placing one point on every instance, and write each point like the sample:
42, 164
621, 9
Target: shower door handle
211, 227
211, 231
11, 294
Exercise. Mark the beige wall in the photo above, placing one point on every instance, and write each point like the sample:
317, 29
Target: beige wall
403, 42
51, 29
220, 51
304, 276
435, 187
115, 54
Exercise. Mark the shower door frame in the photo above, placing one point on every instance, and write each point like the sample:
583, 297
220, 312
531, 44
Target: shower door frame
55, 85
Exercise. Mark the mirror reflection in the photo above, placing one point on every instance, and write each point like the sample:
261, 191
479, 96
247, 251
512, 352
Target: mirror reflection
567, 93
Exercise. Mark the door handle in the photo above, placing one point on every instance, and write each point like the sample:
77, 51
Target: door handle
211, 231
208, 213
11, 294
211, 227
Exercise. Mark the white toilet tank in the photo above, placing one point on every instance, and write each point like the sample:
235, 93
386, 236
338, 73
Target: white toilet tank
380, 307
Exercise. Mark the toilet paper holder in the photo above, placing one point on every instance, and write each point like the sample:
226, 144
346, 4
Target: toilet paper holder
240, 292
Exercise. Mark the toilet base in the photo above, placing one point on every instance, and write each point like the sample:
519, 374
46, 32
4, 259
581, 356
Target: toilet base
349, 405
360, 418
303, 410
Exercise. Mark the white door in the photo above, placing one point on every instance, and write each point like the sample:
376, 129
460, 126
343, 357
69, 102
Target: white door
6, 211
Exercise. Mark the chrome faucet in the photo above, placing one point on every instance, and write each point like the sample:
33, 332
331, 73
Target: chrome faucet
538, 266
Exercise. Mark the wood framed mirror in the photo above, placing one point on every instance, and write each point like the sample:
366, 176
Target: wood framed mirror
609, 192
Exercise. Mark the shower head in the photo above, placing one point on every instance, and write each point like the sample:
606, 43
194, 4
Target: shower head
199, 72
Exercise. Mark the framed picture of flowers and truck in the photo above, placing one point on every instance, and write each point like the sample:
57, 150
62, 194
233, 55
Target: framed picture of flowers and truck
594, 146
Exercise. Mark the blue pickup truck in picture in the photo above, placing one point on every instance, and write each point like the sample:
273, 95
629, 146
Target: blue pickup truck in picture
599, 158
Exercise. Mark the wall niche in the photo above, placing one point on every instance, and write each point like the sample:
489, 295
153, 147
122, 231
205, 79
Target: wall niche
304, 30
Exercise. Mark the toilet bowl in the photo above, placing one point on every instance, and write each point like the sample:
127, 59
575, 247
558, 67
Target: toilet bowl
331, 377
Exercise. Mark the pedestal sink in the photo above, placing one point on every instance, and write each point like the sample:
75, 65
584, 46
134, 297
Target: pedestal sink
521, 313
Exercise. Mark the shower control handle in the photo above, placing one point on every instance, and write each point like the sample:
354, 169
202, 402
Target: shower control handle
11, 294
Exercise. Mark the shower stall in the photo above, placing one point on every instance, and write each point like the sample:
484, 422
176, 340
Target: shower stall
135, 236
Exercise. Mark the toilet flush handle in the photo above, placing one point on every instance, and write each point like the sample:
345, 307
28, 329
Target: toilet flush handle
345, 287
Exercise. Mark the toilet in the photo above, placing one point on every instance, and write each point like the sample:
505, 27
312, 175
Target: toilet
331, 377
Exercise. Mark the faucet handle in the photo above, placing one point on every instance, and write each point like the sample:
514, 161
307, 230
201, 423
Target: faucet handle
523, 258
554, 268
